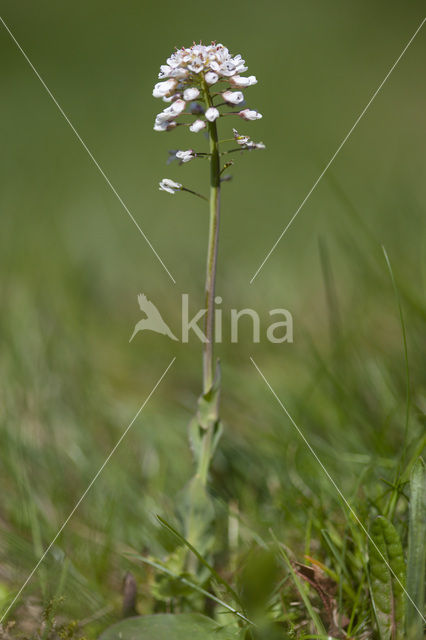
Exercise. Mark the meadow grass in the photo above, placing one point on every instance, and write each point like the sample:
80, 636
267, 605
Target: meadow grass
271, 497
287, 554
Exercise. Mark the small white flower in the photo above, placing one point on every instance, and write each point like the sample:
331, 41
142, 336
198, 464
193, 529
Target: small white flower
162, 89
212, 114
163, 125
177, 107
233, 97
211, 77
172, 112
250, 114
191, 94
171, 98
164, 71
169, 185
241, 81
213, 60
255, 145
197, 126
242, 140
185, 156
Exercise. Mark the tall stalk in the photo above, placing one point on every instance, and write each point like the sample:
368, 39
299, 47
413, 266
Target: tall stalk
205, 74
210, 285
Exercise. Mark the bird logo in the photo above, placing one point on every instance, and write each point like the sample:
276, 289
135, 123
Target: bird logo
153, 320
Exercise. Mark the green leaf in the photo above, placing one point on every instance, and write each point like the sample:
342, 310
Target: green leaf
387, 578
192, 585
203, 561
197, 512
416, 551
206, 418
165, 626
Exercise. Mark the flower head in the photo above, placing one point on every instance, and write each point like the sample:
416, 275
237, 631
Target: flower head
199, 58
169, 185
187, 76
185, 84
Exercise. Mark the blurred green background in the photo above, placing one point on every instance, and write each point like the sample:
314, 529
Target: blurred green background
72, 264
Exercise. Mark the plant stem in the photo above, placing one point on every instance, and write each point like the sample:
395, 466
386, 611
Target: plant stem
208, 351
208, 364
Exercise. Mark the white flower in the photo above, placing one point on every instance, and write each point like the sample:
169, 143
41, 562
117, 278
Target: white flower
211, 59
244, 141
255, 145
162, 89
171, 98
163, 125
241, 81
212, 114
197, 125
250, 114
234, 97
185, 156
177, 107
211, 77
239, 138
172, 112
168, 72
190, 70
169, 185
191, 94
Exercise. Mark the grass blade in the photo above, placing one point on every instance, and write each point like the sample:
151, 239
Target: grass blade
416, 551
203, 561
301, 589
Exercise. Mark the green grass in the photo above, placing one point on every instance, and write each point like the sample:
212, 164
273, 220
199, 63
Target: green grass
72, 265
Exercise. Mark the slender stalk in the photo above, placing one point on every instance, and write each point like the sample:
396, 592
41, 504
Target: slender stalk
208, 351
208, 364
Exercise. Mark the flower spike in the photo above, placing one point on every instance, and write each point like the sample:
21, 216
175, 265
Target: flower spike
185, 84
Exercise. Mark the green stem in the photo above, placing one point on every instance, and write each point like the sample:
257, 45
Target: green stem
208, 364
208, 351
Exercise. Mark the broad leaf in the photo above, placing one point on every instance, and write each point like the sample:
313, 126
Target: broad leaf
387, 578
164, 626
416, 551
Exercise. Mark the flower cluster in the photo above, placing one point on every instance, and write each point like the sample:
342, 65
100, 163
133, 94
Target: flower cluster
187, 76
187, 85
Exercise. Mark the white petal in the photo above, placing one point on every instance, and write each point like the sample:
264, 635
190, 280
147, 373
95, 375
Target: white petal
234, 97
241, 81
162, 89
191, 94
212, 114
185, 156
197, 125
250, 114
169, 185
211, 77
